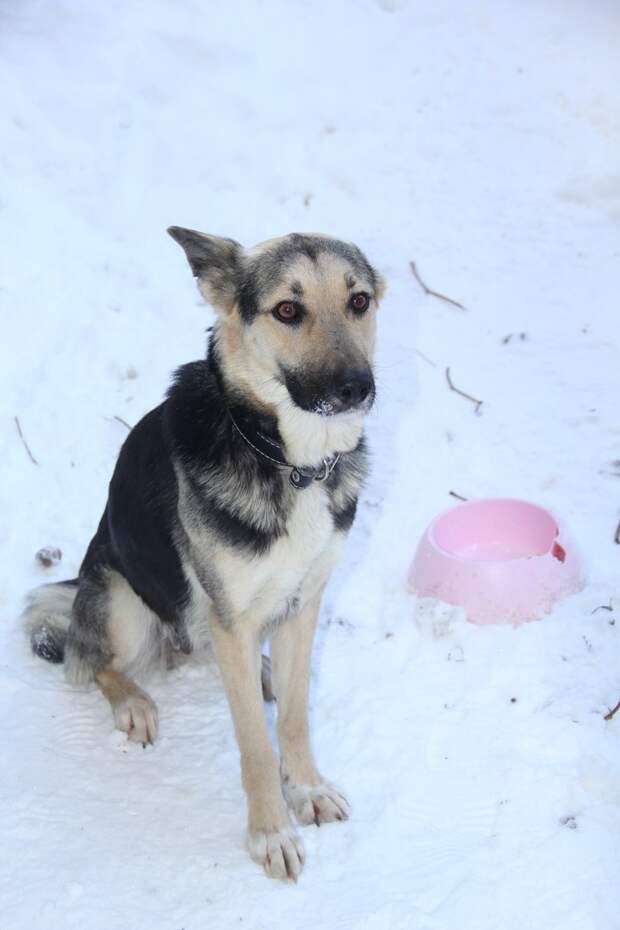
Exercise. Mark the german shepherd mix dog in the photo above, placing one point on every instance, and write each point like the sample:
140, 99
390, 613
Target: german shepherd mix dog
227, 510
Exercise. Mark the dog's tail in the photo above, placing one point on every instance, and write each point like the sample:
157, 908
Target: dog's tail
47, 616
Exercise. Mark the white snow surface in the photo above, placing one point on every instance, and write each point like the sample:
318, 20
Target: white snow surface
481, 140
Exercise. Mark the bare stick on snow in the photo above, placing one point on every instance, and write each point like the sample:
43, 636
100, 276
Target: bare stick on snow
124, 422
426, 358
459, 497
612, 712
474, 400
602, 607
26, 446
427, 290
617, 535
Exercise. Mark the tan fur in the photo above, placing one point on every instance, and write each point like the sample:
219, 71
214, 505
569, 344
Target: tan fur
312, 797
297, 563
133, 628
271, 839
134, 711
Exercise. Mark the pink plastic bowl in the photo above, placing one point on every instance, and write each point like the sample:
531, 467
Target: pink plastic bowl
501, 560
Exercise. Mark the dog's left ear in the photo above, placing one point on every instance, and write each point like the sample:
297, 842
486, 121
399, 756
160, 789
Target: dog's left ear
215, 263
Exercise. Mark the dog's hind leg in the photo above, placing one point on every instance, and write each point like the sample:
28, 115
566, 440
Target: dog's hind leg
136, 642
134, 711
112, 635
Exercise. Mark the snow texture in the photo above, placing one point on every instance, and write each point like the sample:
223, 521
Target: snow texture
480, 140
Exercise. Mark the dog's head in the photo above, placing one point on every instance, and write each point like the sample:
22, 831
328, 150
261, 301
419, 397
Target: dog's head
297, 329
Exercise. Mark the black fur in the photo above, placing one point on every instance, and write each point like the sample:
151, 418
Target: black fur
248, 298
344, 517
48, 642
205, 442
239, 533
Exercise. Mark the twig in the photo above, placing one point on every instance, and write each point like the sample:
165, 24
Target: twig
602, 607
426, 358
617, 535
427, 290
612, 712
124, 422
26, 446
458, 496
474, 400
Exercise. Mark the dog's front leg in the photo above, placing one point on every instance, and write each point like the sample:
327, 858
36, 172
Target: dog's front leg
312, 797
272, 840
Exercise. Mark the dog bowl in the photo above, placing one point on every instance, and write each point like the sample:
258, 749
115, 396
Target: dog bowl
501, 560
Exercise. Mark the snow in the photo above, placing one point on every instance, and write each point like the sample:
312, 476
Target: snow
480, 140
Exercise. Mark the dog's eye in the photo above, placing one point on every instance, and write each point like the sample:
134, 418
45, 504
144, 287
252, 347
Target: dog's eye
287, 312
360, 303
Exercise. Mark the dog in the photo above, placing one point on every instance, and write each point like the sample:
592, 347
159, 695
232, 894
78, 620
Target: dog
227, 509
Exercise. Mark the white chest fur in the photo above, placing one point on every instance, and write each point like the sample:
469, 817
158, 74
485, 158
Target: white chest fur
265, 588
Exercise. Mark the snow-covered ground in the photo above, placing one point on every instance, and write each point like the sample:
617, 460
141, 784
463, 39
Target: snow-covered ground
480, 139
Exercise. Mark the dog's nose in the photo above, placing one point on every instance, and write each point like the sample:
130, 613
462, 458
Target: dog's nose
353, 387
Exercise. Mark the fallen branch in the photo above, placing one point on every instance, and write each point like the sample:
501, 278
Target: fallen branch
459, 497
474, 400
602, 607
124, 422
617, 535
426, 358
612, 712
26, 446
427, 290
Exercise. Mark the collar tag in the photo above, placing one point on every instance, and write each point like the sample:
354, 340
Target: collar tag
302, 477
300, 480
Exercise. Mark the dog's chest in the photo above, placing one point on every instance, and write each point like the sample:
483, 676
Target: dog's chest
271, 585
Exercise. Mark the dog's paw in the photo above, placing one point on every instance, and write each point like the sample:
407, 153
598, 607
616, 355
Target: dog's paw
317, 804
281, 853
136, 715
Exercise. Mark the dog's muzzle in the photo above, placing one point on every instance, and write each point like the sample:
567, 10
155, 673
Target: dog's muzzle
329, 393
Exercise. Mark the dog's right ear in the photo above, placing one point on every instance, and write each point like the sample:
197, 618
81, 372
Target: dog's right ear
215, 263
